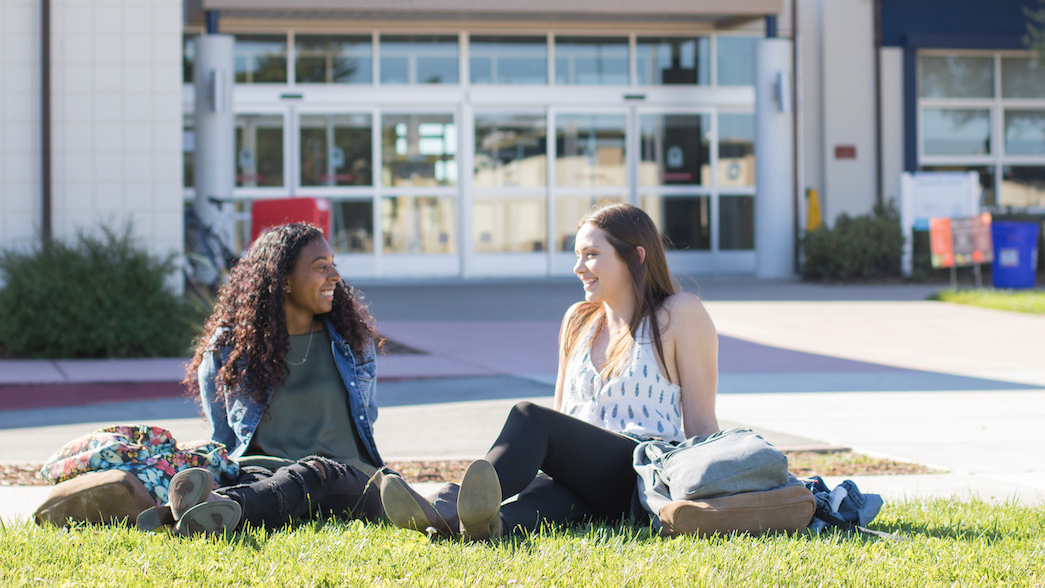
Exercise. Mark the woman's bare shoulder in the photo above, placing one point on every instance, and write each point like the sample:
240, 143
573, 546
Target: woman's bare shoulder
686, 311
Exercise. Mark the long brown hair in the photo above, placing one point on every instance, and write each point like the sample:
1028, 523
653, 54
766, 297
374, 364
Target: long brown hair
628, 227
253, 323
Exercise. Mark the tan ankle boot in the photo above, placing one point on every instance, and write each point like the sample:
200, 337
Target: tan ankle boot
479, 502
407, 509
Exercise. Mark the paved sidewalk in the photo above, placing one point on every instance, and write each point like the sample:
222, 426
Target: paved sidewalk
874, 368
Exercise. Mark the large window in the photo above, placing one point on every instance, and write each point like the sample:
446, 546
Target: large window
591, 60
353, 226
672, 60
188, 151
418, 225
419, 150
418, 59
260, 59
510, 151
736, 60
736, 149
985, 112
188, 56
568, 210
259, 150
956, 131
508, 60
675, 149
685, 220
590, 150
335, 150
510, 224
524, 60
510, 209
956, 76
333, 59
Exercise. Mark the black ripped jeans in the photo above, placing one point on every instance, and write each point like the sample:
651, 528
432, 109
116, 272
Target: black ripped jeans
313, 486
588, 470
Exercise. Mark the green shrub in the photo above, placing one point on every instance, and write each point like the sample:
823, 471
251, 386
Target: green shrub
103, 296
864, 247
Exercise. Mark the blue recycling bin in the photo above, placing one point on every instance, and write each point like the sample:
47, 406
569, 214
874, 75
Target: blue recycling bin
1015, 254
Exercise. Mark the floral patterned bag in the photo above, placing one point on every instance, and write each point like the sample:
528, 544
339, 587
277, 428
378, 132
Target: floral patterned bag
149, 453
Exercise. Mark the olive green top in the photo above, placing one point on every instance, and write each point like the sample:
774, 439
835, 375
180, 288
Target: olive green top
308, 414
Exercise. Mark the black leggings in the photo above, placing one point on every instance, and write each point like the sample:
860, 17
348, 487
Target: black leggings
313, 486
589, 469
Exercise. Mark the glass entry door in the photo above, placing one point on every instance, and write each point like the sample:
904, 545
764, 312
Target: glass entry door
415, 194
536, 172
593, 165
696, 179
391, 179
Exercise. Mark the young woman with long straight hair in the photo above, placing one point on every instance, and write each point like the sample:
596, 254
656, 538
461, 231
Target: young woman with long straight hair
638, 359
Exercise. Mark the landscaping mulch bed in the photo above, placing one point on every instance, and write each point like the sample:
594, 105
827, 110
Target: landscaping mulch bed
802, 464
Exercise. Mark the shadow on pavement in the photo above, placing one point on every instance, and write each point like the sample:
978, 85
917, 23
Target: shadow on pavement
745, 368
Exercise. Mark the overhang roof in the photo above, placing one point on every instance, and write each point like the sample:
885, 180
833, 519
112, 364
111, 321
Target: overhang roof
714, 13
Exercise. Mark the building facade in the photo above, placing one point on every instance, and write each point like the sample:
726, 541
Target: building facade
453, 138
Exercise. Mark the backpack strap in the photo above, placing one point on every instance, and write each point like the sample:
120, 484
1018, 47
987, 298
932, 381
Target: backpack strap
851, 526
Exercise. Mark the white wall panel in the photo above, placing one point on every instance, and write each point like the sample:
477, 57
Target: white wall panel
138, 79
111, 59
19, 227
21, 76
107, 49
848, 107
811, 94
137, 17
137, 110
78, 48
892, 122
19, 167
108, 17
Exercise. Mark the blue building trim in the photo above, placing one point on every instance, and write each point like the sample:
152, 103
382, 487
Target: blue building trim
910, 109
957, 18
972, 41
211, 18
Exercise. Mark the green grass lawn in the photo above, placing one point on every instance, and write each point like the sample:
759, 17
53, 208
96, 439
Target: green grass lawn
1030, 301
950, 543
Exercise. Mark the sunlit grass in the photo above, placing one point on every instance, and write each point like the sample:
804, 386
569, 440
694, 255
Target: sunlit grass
1029, 301
949, 543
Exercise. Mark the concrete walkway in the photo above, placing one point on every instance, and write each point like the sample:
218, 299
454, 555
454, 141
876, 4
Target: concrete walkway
874, 368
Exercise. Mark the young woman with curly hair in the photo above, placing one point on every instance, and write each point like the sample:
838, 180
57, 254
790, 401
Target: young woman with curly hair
638, 359
285, 372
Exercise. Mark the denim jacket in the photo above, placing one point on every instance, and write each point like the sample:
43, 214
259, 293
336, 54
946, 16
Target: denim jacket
234, 419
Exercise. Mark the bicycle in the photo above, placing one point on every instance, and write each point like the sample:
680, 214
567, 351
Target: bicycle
208, 259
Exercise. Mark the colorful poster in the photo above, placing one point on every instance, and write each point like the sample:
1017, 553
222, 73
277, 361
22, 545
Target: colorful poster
960, 242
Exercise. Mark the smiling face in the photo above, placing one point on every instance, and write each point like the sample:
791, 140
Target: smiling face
310, 286
604, 274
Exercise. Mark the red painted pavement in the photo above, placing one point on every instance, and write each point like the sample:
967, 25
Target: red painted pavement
23, 396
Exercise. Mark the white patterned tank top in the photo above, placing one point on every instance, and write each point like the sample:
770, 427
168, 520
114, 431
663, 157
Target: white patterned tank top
639, 401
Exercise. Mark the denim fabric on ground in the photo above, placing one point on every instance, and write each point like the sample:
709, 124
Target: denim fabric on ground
844, 503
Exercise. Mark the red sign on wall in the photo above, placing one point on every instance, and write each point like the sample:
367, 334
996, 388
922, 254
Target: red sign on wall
845, 151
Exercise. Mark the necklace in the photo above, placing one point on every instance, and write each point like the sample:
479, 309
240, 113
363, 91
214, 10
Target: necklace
307, 349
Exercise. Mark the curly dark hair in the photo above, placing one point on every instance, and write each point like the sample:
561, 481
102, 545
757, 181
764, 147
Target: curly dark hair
252, 322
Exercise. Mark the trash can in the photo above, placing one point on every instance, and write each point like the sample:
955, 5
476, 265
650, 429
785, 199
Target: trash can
1015, 254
